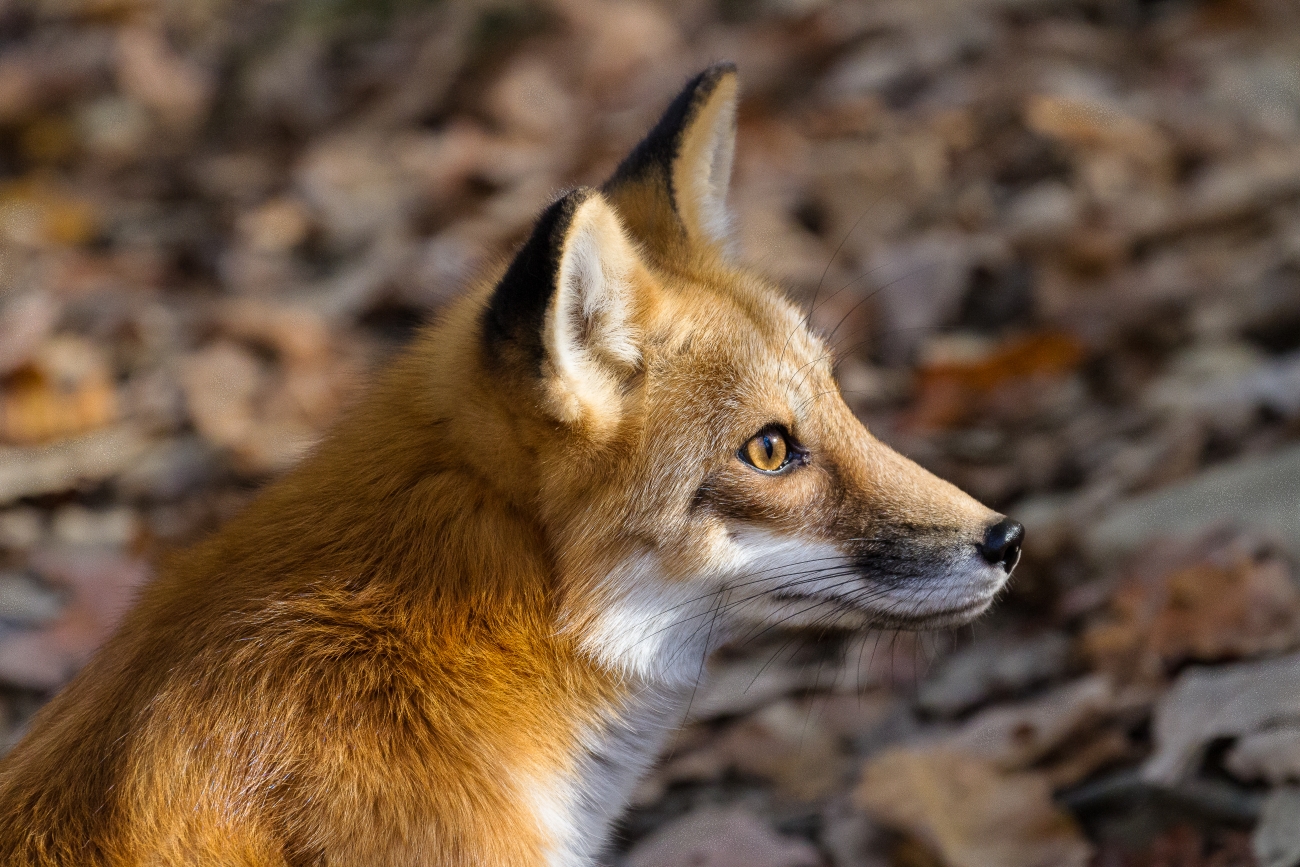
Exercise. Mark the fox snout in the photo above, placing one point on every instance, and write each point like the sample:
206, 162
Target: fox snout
923, 581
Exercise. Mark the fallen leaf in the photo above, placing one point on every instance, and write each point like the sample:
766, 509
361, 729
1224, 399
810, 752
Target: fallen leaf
1000, 666
950, 390
64, 391
784, 743
35, 213
1277, 836
720, 838
50, 469
1221, 599
151, 73
101, 584
1097, 126
1017, 735
969, 811
1208, 703
1271, 755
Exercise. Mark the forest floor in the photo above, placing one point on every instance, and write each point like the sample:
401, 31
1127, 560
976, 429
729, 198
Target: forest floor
1056, 244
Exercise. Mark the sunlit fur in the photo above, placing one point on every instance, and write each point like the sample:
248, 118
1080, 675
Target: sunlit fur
460, 629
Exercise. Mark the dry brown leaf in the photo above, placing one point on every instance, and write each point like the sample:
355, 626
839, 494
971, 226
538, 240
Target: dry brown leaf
36, 213
721, 838
1017, 735
970, 812
66, 390
1225, 600
101, 586
1211, 702
949, 391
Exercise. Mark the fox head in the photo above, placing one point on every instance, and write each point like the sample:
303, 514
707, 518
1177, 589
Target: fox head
674, 427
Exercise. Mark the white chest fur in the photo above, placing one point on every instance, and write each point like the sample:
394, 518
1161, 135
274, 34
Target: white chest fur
576, 811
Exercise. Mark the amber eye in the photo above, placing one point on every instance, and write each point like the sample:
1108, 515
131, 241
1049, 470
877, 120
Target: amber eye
766, 451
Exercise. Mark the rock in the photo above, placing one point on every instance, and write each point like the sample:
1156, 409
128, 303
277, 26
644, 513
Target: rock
1223, 598
993, 668
52, 469
968, 811
1271, 755
1252, 492
1226, 701
1276, 842
714, 837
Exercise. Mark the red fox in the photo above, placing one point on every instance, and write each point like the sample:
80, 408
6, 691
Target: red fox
459, 630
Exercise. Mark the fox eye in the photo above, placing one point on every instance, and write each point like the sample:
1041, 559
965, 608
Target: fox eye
767, 450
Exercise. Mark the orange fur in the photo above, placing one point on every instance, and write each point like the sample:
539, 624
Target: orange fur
403, 652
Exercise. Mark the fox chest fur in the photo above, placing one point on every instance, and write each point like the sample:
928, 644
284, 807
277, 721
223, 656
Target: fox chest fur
460, 631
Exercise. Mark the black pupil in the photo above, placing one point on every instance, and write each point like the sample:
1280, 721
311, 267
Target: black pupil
769, 445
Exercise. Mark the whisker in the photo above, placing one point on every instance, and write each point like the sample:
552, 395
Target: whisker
815, 575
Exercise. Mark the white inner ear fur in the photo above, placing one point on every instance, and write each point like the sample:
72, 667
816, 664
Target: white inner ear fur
702, 170
591, 341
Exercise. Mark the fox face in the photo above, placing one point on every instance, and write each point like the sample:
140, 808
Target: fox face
701, 475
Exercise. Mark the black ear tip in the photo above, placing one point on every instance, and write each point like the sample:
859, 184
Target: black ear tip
718, 71
659, 147
703, 85
519, 300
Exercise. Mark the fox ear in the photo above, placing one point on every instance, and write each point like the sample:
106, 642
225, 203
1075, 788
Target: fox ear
675, 181
566, 305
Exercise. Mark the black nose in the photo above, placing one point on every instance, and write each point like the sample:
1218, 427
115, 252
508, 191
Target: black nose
1001, 545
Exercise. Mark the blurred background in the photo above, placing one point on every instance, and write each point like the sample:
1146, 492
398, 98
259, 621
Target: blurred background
1056, 244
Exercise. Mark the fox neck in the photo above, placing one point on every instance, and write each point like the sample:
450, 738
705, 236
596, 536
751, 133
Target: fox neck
615, 683
632, 626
